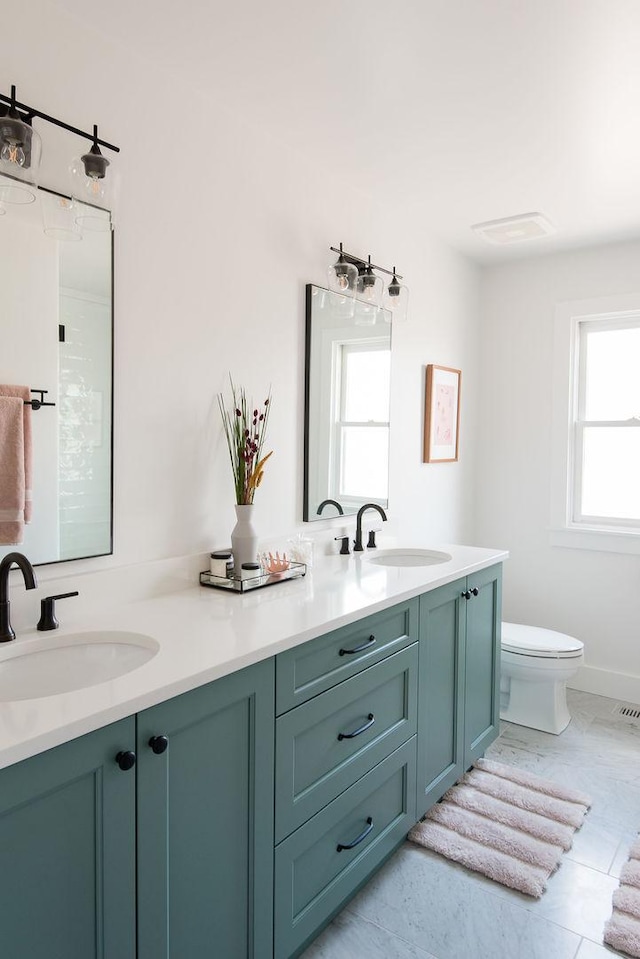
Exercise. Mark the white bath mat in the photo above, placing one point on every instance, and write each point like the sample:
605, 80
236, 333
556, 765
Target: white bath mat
505, 823
622, 931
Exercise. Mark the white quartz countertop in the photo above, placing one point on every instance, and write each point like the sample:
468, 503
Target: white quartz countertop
204, 634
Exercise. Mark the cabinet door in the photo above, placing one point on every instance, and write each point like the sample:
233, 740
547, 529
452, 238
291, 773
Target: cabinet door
482, 663
205, 821
440, 692
67, 851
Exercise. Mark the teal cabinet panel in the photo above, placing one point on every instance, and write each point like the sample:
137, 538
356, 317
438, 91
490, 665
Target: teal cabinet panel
67, 851
316, 666
314, 876
459, 679
326, 744
440, 715
205, 821
482, 663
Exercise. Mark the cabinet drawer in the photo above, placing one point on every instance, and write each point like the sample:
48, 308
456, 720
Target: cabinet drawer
325, 745
314, 876
316, 666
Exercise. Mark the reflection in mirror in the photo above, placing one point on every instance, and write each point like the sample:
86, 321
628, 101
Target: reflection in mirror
348, 366
56, 329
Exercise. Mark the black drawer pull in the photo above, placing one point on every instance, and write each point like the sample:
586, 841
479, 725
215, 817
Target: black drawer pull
475, 590
158, 744
356, 732
358, 649
358, 839
466, 594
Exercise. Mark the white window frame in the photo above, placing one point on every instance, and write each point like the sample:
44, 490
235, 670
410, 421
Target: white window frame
339, 423
568, 528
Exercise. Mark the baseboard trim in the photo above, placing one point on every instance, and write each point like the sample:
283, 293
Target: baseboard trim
604, 682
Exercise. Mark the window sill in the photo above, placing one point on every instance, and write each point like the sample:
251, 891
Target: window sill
603, 540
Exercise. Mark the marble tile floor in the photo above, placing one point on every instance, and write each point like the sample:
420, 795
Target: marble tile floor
421, 906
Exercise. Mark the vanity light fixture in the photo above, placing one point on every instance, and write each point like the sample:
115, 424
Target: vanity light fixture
396, 298
92, 188
370, 287
20, 152
343, 275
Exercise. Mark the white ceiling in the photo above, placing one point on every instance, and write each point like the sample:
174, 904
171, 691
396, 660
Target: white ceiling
465, 110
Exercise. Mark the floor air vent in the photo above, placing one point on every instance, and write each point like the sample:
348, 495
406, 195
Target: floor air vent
628, 711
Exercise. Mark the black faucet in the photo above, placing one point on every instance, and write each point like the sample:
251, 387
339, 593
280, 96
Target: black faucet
330, 502
6, 632
357, 543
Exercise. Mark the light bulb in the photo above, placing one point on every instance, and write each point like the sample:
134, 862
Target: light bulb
369, 294
94, 187
343, 281
12, 152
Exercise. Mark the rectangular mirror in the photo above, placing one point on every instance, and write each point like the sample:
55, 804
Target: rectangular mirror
347, 395
56, 329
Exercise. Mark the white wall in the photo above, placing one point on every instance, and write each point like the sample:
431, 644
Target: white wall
218, 230
589, 594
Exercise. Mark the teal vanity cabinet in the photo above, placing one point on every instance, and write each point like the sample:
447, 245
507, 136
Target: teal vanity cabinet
345, 766
205, 821
234, 821
459, 679
200, 799
67, 851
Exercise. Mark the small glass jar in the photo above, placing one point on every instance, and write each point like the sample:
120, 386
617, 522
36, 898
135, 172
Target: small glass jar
250, 570
221, 563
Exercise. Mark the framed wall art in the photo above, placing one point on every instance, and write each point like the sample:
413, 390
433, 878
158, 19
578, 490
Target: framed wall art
442, 414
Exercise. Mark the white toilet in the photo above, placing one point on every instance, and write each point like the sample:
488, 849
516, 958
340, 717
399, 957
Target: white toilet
536, 664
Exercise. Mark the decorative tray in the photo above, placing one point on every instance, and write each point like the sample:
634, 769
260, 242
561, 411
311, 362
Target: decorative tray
263, 578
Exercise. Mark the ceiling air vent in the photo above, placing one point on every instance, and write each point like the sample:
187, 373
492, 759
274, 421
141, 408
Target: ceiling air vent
513, 229
627, 710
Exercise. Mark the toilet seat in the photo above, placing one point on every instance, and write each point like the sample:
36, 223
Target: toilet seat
539, 643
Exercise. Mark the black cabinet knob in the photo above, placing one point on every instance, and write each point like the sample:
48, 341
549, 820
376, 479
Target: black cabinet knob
466, 594
126, 760
158, 744
475, 590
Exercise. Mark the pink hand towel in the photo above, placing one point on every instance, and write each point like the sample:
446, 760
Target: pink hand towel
14, 477
12, 480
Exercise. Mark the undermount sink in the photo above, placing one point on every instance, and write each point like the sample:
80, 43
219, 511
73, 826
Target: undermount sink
409, 557
52, 665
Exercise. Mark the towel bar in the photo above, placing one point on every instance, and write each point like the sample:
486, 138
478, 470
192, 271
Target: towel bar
36, 404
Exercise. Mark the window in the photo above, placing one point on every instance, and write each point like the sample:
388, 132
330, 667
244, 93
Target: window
606, 441
596, 426
361, 424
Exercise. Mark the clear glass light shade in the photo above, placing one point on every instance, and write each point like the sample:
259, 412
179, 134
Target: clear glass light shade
59, 217
343, 277
396, 299
20, 152
95, 195
343, 306
366, 314
370, 288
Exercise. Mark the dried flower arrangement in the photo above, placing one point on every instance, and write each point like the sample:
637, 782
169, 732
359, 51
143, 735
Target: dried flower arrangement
245, 429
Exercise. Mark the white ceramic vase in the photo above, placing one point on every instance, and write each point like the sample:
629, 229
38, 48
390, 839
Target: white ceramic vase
244, 539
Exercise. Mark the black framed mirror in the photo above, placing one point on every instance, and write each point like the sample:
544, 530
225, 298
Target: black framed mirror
347, 397
56, 329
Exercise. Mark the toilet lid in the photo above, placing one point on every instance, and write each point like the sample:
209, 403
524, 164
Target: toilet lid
536, 641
